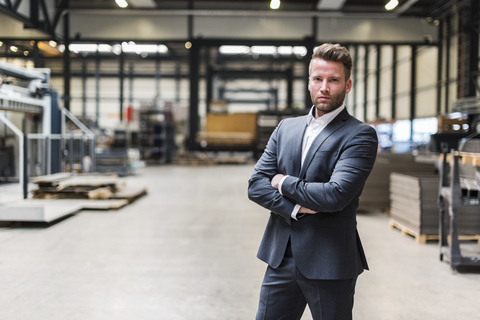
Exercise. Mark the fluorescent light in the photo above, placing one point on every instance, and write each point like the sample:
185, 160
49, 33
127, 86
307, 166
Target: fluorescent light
264, 50
122, 3
285, 50
391, 5
87, 47
275, 4
299, 50
234, 49
131, 47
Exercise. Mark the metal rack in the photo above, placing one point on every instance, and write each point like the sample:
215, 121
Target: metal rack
455, 192
156, 135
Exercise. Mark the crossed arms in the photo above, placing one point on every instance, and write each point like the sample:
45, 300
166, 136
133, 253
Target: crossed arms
348, 174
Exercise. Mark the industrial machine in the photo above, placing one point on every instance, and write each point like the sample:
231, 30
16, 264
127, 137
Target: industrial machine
33, 139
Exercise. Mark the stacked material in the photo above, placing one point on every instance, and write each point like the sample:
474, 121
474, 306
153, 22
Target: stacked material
62, 194
414, 201
375, 195
88, 186
414, 206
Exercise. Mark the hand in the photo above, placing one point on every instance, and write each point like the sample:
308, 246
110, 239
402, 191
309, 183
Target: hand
276, 180
306, 210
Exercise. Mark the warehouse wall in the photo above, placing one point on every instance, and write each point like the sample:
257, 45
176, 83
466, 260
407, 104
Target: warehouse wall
366, 100
382, 77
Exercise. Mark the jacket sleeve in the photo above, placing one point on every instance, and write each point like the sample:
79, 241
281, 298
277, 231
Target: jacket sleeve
355, 161
260, 189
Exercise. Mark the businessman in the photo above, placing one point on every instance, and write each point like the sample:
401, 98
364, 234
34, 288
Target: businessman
310, 178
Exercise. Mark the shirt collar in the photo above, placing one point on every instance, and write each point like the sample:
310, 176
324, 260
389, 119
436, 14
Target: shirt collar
326, 117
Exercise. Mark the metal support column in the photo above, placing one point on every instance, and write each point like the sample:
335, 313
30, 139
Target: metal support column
439, 67
377, 83
66, 61
84, 87
290, 87
355, 71
413, 85
194, 78
394, 82
25, 167
310, 45
209, 86
365, 84
97, 87
122, 80
448, 35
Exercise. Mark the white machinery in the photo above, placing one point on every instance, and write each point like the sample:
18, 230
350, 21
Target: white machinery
33, 139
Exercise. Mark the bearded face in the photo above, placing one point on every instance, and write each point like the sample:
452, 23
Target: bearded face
327, 85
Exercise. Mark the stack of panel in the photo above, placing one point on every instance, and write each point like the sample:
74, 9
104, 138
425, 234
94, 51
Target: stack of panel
375, 195
413, 199
414, 205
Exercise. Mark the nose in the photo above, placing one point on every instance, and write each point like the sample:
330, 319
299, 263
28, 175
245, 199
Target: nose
324, 87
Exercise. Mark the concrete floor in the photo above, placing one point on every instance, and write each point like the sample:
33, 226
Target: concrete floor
186, 251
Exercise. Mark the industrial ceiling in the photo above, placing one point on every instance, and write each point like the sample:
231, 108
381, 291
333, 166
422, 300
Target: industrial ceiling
420, 8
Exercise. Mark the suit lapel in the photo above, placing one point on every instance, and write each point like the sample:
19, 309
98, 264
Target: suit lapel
296, 148
333, 126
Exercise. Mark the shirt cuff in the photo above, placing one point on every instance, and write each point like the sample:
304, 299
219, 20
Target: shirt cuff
295, 211
280, 185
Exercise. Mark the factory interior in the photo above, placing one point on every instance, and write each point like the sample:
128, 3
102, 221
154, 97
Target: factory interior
129, 130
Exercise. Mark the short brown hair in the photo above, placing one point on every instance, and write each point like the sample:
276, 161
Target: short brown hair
336, 53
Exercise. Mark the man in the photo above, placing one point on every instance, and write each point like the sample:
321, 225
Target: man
310, 177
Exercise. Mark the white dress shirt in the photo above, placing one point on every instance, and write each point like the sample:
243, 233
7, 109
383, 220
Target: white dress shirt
314, 127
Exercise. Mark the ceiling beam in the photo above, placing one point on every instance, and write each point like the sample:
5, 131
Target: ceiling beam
330, 4
143, 3
32, 20
236, 13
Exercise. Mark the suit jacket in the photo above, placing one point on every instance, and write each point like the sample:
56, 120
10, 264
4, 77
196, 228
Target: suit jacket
325, 245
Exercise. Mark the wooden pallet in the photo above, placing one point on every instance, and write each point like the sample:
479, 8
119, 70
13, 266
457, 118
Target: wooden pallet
465, 158
419, 238
423, 238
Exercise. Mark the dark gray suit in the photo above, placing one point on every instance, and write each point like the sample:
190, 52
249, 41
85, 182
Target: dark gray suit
325, 246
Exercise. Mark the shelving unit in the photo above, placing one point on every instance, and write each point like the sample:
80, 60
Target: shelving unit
267, 121
156, 135
456, 192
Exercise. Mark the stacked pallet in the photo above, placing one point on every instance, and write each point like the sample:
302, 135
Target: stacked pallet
88, 186
63, 194
375, 195
414, 208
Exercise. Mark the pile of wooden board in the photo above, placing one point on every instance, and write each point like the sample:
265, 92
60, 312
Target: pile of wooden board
375, 195
66, 186
63, 194
414, 208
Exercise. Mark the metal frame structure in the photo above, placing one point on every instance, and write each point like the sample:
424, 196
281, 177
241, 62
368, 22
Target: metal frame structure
30, 100
451, 198
38, 9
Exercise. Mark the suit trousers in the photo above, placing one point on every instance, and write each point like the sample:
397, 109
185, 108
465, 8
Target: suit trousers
285, 293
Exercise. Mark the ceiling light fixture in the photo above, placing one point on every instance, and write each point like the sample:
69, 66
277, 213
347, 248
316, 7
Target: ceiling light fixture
275, 4
391, 5
13, 49
122, 3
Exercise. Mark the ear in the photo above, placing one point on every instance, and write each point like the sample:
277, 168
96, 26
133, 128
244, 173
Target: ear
349, 85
